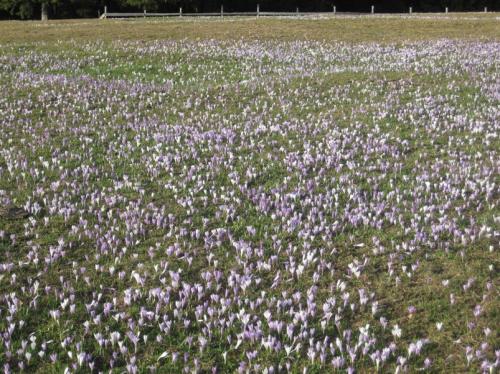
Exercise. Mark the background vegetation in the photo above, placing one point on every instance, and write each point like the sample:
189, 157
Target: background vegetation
26, 9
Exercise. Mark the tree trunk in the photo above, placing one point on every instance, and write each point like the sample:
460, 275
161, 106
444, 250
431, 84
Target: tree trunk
45, 11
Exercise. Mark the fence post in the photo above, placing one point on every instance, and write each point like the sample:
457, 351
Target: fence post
411, 10
258, 10
446, 10
334, 9
485, 9
144, 13
297, 11
373, 9
180, 12
105, 11
222, 11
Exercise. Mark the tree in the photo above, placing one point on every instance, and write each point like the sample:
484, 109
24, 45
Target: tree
27, 8
146, 4
88, 8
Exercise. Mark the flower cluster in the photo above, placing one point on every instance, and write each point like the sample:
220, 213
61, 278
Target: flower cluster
208, 206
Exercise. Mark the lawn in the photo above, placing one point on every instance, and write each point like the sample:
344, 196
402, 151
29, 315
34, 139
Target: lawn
275, 195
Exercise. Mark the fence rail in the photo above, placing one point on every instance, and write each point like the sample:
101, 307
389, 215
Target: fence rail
257, 13
217, 14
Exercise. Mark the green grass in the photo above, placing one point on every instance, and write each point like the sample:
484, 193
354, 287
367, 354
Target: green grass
365, 29
91, 127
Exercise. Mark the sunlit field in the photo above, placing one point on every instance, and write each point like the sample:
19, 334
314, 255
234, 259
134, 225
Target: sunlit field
252, 196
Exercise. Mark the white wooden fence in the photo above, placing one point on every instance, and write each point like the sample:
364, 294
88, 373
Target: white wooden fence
257, 13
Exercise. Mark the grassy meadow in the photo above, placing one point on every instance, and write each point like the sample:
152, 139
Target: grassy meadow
308, 195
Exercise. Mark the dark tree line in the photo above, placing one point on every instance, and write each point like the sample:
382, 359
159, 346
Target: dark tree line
26, 9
